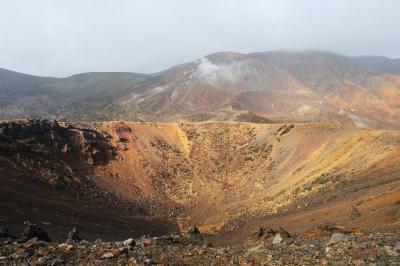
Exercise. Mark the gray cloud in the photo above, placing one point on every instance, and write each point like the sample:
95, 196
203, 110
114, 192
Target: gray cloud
64, 37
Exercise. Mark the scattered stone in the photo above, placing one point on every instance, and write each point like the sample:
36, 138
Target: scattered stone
33, 230
107, 255
129, 242
337, 237
66, 247
373, 249
390, 251
277, 239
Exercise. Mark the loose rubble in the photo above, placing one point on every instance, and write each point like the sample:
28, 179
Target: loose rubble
328, 244
283, 249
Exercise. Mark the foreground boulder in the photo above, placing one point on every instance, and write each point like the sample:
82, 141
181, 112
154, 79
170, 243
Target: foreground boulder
278, 239
281, 236
129, 242
33, 230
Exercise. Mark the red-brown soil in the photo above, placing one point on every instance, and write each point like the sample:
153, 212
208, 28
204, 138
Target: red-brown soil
229, 178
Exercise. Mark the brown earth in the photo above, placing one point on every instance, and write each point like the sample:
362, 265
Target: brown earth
229, 178
46, 178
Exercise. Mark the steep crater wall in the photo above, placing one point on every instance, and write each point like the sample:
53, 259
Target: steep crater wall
220, 175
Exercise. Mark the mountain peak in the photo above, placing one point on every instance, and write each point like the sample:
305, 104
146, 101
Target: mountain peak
280, 85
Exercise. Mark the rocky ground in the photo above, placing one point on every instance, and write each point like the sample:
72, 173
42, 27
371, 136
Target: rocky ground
333, 246
123, 181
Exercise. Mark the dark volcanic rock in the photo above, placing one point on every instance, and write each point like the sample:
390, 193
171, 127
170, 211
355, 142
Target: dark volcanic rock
33, 230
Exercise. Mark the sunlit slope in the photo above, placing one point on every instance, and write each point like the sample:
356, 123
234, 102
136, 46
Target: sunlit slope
217, 172
278, 85
283, 86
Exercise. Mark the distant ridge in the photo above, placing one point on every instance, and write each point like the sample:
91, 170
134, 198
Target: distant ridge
278, 85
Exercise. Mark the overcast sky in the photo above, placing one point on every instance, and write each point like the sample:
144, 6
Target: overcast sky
64, 37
